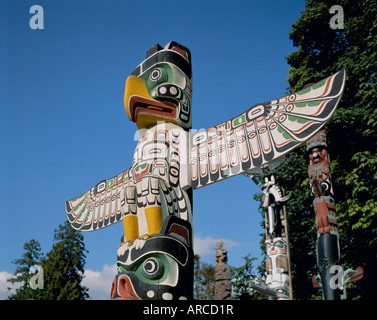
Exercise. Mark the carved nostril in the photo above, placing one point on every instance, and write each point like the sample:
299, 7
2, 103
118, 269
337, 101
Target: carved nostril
113, 289
125, 288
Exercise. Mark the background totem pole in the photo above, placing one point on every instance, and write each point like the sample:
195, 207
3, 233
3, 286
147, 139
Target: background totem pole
223, 289
277, 245
278, 271
328, 247
153, 198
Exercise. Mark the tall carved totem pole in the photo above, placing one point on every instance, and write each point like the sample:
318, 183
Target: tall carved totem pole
328, 247
153, 198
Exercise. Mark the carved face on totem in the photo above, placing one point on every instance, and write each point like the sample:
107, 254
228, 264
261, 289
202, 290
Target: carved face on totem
276, 246
317, 155
319, 166
316, 147
158, 271
160, 88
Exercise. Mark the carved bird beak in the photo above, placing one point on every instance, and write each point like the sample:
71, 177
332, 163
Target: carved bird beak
141, 108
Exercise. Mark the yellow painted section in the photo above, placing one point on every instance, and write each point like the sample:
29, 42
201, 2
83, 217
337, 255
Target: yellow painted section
135, 86
154, 219
146, 120
131, 228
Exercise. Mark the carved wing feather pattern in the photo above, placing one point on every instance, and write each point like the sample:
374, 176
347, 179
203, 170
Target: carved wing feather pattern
263, 134
100, 206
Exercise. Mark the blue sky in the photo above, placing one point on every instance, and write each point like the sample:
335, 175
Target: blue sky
64, 127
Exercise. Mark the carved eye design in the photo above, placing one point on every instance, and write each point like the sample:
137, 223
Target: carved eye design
154, 268
325, 187
150, 266
155, 74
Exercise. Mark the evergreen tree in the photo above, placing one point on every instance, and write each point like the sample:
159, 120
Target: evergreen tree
204, 280
24, 271
352, 141
64, 266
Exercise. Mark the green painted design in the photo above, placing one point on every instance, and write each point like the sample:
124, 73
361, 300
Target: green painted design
303, 91
319, 84
81, 213
210, 137
140, 167
330, 200
109, 183
159, 74
86, 218
155, 262
286, 135
239, 120
300, 104
308, 104
221, 127
125, 177
312, 87
279, 244
334, 232
297, 119
78, 205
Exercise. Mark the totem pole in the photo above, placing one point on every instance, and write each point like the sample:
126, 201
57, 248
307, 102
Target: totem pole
278, 271
328, 248
153, 198
223, 288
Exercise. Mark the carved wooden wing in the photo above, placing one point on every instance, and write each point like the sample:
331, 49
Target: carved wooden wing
100, 206
262, 135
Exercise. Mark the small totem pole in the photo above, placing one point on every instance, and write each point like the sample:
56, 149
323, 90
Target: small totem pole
328, 248
153, 197
223, 288
278, 271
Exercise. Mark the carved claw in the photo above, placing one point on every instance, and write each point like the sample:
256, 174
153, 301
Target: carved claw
140, 242
123, 247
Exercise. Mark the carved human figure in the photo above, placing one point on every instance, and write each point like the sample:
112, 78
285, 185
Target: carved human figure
222, 273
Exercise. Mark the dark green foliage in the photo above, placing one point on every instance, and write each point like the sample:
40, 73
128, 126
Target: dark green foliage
64, 266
